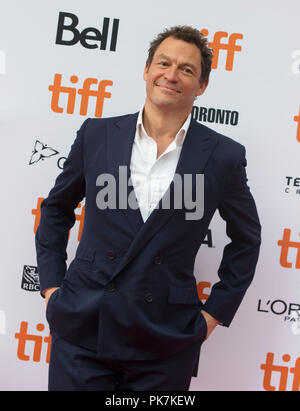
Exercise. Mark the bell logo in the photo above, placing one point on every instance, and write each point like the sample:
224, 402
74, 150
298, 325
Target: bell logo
269, 369
88, 37
37, 340
285, 245
100, 93
230, 47
297, 119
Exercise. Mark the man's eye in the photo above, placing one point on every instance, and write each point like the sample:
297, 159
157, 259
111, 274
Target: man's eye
187, 70
163, 63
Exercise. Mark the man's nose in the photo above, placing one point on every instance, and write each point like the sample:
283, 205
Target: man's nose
171, 74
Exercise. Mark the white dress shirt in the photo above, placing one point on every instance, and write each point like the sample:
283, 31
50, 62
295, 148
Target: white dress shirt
152, 176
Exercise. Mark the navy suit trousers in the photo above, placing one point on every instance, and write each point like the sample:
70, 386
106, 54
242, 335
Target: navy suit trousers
74, 368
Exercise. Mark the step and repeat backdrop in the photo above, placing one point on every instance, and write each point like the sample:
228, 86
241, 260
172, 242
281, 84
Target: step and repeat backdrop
64, 61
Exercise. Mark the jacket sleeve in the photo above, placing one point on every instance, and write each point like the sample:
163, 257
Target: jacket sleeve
240, 256
57, 217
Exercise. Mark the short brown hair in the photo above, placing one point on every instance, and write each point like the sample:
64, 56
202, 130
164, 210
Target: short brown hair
189, 35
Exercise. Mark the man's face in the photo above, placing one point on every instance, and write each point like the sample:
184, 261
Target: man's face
173, 78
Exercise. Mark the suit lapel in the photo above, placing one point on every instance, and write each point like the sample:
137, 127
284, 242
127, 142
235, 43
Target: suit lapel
120, 139
196, 151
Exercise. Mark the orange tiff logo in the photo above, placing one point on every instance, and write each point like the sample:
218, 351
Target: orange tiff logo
297, 119
24, 338
286, 244
85, 92
230, 47
269, 369
201, 286
78, 216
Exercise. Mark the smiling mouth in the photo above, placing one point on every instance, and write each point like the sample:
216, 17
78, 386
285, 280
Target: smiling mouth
168, 88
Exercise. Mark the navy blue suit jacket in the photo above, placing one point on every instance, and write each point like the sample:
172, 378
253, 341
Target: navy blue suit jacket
130, 293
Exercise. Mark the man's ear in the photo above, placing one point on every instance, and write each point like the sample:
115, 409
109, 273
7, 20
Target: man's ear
146, 69
202, 88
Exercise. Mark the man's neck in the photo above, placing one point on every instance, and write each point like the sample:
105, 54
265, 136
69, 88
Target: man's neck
163, 124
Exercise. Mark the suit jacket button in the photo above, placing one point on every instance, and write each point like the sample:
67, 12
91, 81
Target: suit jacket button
110, 287
157, 260
148, 298
111, 255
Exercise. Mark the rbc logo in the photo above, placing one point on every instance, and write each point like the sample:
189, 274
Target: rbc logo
30, 278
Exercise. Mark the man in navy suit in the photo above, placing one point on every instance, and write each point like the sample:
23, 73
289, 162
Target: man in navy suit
126, 315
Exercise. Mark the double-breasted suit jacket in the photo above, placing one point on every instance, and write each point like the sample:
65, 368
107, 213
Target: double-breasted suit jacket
130, 293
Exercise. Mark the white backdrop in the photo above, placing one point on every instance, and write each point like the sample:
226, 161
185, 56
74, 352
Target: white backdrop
260, 349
